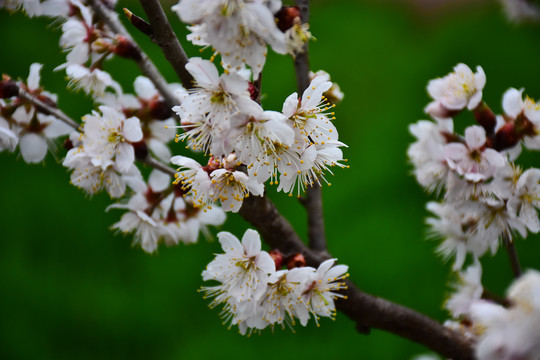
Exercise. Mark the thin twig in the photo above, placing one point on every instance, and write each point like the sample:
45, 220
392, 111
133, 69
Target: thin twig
366, 310
110, 18
313, 198
47, 109
152, 162
513, 256
163, 35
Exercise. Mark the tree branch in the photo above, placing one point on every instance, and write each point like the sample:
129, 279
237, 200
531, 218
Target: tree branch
47, 109
513, 256
152, 162
366, 310
313, 198
163, 35
110, 18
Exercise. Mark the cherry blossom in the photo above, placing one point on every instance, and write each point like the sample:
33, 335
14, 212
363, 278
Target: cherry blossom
456, 91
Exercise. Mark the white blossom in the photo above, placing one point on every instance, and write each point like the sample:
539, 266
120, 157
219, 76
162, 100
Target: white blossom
456, 91
471, 160
514, 332
467, 291
239, 30
107, 138
243, 269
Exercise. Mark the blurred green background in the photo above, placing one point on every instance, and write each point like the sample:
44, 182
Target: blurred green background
71, 289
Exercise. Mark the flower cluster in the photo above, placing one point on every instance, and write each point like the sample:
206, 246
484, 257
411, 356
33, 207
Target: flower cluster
505, 330
255, 293
221, 115
487, 196
24, 124
292, 148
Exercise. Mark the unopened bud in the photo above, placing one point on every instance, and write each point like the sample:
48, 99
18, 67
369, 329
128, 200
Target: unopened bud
437, 110
506, 137
486, 118
253, 91
8, 88
277, 256
141, 150
296, 260
160, 110
68, 144
139, 23
287, 16
125, 48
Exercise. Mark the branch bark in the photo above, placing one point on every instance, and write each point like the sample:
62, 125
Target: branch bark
512, 256
313, 198
110, 18
163, 35
46, 109
366, 310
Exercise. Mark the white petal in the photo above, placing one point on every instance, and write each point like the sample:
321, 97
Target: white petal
144, 88
33, 147
132, 130
158, 180
512, 102
204, 72
251, 242
124, 157
229, 243
475, 136
159, 149
33, 77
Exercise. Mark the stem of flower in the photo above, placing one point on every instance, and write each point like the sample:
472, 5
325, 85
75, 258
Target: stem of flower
513, 256
152, 162
46, 109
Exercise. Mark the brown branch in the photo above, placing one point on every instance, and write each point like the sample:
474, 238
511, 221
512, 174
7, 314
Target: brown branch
47, 109
313, 198
163, 35
110, 18
366, 310
152, 162
513, 256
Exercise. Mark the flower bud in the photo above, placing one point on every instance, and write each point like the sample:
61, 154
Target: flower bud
8, 88
486, 118
139, 23
253, 91
125, 48
141, 150
68, 144
287, 16
277, 256
296, 260
160, 110
506, 137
